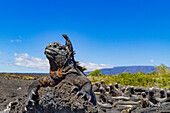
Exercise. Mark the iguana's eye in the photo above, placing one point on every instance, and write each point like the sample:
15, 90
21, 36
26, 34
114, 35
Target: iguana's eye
60, 48
54, 46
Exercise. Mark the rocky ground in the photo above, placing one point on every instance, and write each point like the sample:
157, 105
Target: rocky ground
58, 99
12, 89
52, 99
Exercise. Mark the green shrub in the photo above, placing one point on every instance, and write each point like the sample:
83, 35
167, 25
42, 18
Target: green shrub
154, 79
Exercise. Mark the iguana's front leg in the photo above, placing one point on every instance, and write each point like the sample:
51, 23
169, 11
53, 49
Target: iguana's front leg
85, 87
87, 92
33, 88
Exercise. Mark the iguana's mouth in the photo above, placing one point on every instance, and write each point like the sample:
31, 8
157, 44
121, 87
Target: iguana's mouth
50, 53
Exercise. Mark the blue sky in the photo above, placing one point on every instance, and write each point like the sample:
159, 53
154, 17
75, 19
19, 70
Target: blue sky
104, 33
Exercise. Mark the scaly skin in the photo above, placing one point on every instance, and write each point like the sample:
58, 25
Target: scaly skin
62, 67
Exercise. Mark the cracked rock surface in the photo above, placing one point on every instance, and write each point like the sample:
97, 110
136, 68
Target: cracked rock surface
58, 99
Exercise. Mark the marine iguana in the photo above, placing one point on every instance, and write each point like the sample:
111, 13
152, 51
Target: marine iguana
114, 91
63, 67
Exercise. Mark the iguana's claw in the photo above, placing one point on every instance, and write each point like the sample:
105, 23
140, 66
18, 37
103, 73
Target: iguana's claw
75, 88
25, 109
84, 95
29, 104
80, 93
33, 102
30, 101
33, 92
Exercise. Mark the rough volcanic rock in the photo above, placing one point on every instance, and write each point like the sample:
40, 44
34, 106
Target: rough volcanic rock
58, 99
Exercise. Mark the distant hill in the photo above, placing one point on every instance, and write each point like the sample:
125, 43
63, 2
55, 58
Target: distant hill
132, 69
168, 68
114, 70
118, 70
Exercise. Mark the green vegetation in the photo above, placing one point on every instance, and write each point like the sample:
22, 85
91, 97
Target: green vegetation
96, 72
28, 77
4, 74
159, 78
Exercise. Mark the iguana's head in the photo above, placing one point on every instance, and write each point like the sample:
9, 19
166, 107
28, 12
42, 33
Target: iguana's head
58, 54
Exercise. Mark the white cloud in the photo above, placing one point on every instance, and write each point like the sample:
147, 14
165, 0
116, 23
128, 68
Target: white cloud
17, 40
152, 61
1, 53
92, 66
25, 60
